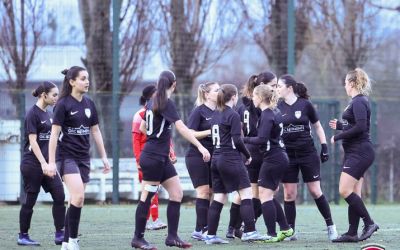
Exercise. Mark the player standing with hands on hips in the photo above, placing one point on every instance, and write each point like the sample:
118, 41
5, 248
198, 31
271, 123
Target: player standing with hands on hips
358, 153
75, 119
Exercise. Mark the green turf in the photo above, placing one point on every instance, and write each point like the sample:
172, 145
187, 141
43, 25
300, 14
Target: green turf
111, 227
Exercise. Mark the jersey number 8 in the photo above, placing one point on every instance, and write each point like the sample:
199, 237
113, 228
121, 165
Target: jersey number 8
215, 135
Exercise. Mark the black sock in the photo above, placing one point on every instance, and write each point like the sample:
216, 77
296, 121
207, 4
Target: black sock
354, 220
234, 214
290, 212
269, 213
25, 214
358, 205
214, 213
280, 216
202, 206
257, 208
74, 218
66, 227
58, 209
141, 218
324, 209
247, 213
173, 212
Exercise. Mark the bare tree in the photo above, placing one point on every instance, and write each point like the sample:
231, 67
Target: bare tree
21, 28
268, 28
136, 32
348, 31
194, 40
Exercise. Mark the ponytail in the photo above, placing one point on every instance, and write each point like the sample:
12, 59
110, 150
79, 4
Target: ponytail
299, 88
267, 94
165, 81
201, 92
147, 93
45, 87
225, 94
360, 81
249, 86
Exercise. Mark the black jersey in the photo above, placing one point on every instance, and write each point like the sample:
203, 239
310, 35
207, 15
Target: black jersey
249, 116
37, 122
297, 119
269, 131
75, 118
199, 120
158, 128
226, 132
356, 121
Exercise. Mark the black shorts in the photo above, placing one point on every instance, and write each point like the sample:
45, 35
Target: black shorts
71, 166
256, 161
272, 170
358, 158
228, 173
199, 171
156, 167
34, 178
306, 160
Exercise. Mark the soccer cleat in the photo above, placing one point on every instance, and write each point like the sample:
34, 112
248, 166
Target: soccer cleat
346, 238
73, 244
252, 236
332, 233
59, 237
270, 239
230, 234
24, 240
368, 231
158, 224
197, 235
64, 246
213, 239
285, 234
149, 225
141, 243
177, 242
294, 237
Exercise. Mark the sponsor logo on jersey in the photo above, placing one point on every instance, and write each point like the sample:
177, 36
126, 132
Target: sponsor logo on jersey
293, 129
44, 136
88, 113
297, 114
82, 130
372, 246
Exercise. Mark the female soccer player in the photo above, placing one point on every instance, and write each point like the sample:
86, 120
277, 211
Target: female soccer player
138, 141
156, 166
275, 160
34, 167
249, 116
75, 117
297, 115
358, 153
228, 171
199, 171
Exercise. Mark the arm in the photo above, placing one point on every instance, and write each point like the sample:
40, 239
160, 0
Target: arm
185, 132
96, 133
255, 140
143, 126
335, 124
137, 146
201, 134
319, 130
38, 153
360, 126
239, 144
55, 133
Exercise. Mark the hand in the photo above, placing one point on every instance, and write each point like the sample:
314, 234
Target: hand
51, 170
333, 139
324, 155
106, 164
205, 153
173, 159
45, 168
333, 123
248, 161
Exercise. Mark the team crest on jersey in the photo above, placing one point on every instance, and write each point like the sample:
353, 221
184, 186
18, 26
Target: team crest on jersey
297, 114
88, 113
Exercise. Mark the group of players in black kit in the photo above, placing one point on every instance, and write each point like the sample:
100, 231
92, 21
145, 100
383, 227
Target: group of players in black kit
250, 149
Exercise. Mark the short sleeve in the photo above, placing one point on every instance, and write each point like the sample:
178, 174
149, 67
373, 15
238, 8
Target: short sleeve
94, 118
170, 113
194, 120
59, 114
236, 126
312, 113
31, 123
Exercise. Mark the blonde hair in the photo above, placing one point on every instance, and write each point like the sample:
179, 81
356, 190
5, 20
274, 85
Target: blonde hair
360, 81
268, 95
201, 92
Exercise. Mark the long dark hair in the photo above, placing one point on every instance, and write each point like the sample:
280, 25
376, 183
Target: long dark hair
70, 74
299, 88
45, 87
225, 93
165, 81
256, 80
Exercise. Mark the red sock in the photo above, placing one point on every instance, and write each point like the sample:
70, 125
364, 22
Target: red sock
154, 208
